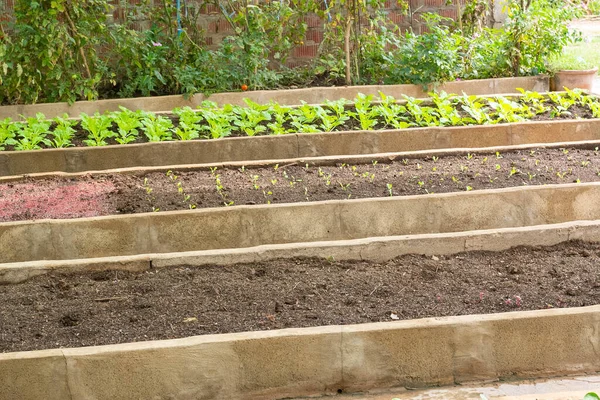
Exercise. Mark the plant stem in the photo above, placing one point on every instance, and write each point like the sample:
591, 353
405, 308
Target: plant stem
81, 52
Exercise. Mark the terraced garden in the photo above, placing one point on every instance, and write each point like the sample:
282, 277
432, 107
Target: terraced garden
478, 212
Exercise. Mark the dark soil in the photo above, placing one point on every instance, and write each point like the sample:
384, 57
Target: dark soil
125, 194
575, 111
115, 307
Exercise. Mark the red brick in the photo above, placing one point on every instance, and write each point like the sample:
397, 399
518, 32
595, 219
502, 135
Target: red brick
306, 51
224, 26
397, 18
435, 3
313, 21
448, 13
314, 35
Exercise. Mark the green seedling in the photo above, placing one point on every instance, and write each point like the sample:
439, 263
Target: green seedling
98, 128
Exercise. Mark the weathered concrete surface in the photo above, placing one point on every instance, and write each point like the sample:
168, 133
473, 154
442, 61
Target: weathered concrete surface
377, 249
317, 161
34, 375
313, 361
284, 97
294, 146
248, 226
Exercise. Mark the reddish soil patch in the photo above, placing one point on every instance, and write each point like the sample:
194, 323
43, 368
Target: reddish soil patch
126, 194
116, 307
54, 199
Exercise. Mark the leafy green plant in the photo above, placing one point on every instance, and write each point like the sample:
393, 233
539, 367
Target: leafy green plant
251, 118
62, 135
218, 120
98, 128
128, 122
189, 123
303, 118
8, 131
536, 30
364, 114
33, 133
157, 128
591, 396
392, 112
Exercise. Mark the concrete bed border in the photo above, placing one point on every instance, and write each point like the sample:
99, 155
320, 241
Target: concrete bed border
375, 249
292, 146
315, 161
313, 95
314, 361
249, 226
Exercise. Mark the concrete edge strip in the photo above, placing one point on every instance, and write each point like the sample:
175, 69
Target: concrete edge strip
321, 360
491, 86
313, 161
375, 249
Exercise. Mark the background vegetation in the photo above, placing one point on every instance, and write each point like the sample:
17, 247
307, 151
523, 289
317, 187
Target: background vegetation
67, 50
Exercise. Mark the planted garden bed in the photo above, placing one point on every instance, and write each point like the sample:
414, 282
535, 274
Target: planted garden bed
116, 307
213, 122
108, 194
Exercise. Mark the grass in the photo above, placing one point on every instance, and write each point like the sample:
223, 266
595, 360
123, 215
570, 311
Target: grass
581, 54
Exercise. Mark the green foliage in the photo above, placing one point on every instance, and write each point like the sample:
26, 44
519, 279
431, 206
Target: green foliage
7, 133
536, 30
591, 396
364, 113
51, 51
63, 131
434, 56
157, 128
97, 127
128, 122
65, 50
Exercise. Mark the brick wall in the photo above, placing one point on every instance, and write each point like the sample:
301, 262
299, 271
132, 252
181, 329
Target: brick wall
216, 28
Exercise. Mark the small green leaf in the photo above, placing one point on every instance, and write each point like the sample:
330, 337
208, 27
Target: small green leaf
591, 396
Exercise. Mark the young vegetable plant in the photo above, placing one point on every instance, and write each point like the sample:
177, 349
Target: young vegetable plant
392, 113
446, 110
98, 128
8, 131
128, 122
33, 133
364, 113
218, 120
281, 117
157, 128
303, 118
251, 117
177, 181
62, 135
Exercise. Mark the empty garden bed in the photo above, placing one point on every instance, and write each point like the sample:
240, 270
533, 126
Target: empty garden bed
116, 307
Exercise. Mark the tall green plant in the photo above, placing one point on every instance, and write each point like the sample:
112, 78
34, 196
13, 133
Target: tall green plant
536, 30
49, 52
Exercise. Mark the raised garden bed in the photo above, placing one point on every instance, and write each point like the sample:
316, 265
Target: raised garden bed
117, 307
317, 144
248, 226
109, 194
213, 122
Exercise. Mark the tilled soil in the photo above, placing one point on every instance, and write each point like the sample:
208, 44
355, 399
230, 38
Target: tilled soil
114, 307
167, 191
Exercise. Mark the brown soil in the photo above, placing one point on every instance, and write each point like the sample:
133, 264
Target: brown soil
115, 307
574, 112
124, 194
